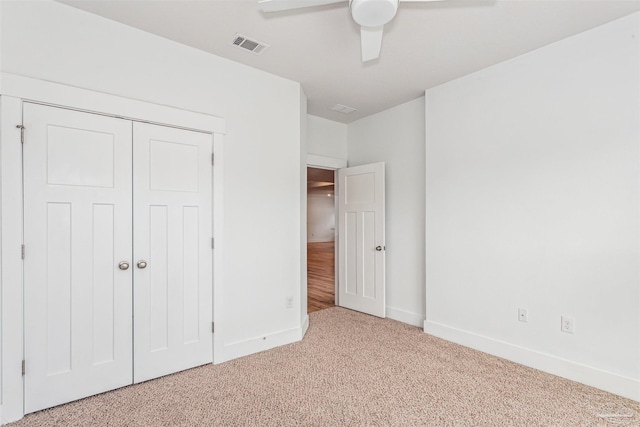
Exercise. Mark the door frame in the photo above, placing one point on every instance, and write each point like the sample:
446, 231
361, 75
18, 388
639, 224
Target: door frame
15, 90
328, 163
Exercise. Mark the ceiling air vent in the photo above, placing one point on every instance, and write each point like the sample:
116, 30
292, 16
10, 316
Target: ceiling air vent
342, 109
247, 44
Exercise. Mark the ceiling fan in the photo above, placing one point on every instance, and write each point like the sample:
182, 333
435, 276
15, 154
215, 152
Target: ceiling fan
371, 15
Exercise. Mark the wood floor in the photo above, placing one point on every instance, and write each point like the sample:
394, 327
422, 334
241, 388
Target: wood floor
320, 276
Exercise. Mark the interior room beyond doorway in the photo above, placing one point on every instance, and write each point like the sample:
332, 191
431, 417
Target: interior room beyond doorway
320, 239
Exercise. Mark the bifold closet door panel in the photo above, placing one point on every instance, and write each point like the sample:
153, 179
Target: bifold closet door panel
172, 250
77, 230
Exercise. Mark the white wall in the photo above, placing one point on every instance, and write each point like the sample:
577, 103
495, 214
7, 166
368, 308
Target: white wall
532, 172
321, 218
326, 138
396, 137
327, 148
263, 157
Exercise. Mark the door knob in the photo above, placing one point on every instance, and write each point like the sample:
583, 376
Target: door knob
142, 264
378, 248
124, 265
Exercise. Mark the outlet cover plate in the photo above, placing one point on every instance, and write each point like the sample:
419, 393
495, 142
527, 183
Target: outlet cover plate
523, 315
567, 324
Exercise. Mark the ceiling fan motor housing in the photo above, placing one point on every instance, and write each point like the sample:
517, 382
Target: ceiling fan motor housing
373, 13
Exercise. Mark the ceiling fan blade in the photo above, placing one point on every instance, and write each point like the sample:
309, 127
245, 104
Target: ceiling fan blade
279, 5
371, 42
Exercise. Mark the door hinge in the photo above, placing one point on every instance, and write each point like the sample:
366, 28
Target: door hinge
212, 243
22, 251
212, 156
21, 133
213, 327
24, 367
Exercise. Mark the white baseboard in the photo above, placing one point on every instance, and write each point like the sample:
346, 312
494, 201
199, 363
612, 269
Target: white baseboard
594, 377
257, 344
405, 316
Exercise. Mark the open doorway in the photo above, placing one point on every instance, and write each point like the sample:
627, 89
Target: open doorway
321, 239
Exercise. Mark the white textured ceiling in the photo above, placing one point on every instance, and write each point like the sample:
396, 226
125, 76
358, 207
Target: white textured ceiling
427, 43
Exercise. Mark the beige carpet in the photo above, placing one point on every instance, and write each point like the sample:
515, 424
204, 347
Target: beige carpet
352, 370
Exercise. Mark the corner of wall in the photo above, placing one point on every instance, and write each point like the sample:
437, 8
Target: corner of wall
303, 210
247, 347
1, 282
305, 326
404, 316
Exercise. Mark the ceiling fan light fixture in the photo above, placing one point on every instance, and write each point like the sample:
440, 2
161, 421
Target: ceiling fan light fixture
373, 13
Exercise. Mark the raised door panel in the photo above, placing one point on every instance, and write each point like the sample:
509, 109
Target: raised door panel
77, 216
173, 230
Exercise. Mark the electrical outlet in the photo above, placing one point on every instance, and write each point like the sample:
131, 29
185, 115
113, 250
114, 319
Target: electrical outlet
289, 302
523, 316
567, 324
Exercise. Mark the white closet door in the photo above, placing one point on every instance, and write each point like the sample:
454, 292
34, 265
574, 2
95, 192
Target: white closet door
172, 236
77, 216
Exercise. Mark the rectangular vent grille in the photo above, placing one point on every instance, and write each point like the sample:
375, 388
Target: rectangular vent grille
247, 44
342, 109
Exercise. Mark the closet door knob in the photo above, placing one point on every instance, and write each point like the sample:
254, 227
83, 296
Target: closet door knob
124, 265
378, 248
142, 264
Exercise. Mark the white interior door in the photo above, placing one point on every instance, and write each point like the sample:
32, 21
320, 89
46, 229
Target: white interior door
172, 235
361, 265
77, 214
